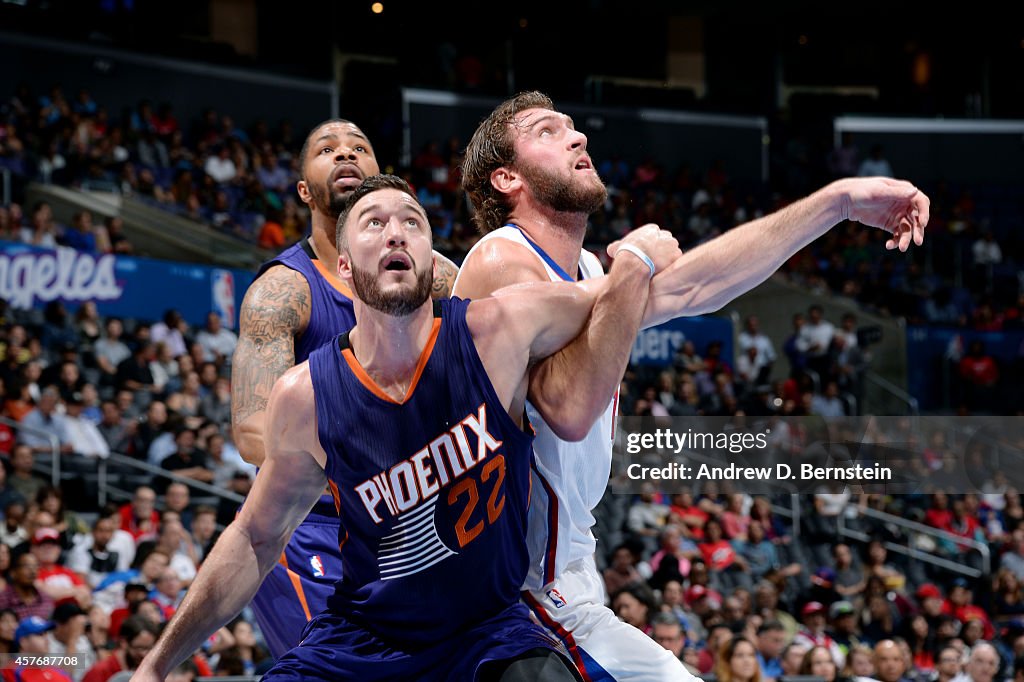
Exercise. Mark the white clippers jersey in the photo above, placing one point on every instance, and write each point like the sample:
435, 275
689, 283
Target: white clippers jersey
569, 479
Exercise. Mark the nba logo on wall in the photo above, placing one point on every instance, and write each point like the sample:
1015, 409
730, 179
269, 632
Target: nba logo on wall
318, 566
222, 292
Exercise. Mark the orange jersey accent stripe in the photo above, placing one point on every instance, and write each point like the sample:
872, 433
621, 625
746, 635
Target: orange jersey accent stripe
372, 386
332, 279
336, 494
297, 584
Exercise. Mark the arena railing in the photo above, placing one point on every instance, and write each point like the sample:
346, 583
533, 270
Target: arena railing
893, 392
55, 454
914, 528
106, 486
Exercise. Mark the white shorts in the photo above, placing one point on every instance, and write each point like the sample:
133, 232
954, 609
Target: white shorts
602, 646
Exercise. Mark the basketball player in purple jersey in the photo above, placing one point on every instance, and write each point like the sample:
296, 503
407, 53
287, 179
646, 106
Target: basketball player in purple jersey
533, 185
415, 421
297, 304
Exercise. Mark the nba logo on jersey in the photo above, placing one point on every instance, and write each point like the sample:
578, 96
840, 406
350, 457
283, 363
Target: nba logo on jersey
222, 292
556, 598
318, 566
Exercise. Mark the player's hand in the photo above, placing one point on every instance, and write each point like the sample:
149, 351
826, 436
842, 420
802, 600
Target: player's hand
896, 206
659, 245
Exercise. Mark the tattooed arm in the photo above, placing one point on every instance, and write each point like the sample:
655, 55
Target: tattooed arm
445, 273
275, 310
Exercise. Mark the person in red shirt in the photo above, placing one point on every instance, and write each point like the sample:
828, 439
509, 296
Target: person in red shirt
56, 581
138, 635
140, 517
980, 374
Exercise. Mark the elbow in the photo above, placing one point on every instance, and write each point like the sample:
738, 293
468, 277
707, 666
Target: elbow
572, 425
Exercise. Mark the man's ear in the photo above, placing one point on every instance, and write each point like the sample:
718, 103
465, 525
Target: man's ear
506, 180
302, 187
344, 266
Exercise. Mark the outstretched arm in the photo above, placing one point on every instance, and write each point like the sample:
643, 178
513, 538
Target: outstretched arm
275, 309
287, 487
706, 278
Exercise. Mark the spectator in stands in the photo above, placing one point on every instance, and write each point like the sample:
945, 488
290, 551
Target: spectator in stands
172, 330
771, 640
68, 638
879, 622
155, 425
860, 663
828, 404
622, 570
982, 665
766, 604
217, 341
84, 436
22, 479
176, 543
137, 636
166, 370
246, 657
815, 340
753, 337
220, 166
45, 419
111, 591
110, 351
54, 579
13, 532
204, 531
8, 493
672, 560
793, 658
187, 460
119, 242
980, 374
94, 558
30, 640
850, 580
168, 592
812, 632
1013, 559
647, 517
876, 164
42, 231
82, 236
21, 594
667, 631
177, 499
737, 662
634, 604
116, 431
8, 626
726, 565
133, 373
139, 517
947, 664
216, 404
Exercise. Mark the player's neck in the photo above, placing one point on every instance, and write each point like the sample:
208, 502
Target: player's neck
560, 234
388, 347
322, 239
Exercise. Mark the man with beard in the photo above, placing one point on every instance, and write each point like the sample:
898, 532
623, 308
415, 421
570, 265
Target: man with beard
136, 637
533, 185
416, 418
297, 304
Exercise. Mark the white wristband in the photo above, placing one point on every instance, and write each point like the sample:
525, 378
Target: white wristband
638, 252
